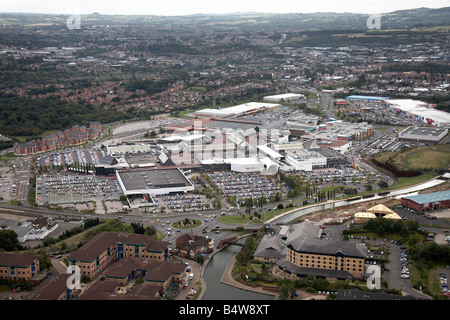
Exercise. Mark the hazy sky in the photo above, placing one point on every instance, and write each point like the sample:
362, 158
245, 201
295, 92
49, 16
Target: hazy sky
182, 7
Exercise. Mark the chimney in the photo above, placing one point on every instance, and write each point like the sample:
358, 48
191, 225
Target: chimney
191, 235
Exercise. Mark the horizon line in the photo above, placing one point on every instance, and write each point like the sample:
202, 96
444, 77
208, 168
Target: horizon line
214, 13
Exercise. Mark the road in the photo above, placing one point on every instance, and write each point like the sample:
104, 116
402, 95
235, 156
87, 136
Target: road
22, 175
327, 102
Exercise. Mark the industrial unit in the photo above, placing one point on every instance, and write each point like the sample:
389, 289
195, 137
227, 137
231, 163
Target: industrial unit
239, 110
428, 201
423, 134
420, 111
153, 182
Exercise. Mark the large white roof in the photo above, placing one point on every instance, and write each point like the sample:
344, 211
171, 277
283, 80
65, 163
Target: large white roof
239, 109
420, 108
279, 97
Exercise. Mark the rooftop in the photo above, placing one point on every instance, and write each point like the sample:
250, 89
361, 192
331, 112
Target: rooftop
50, 289
430, 197
423, 131
17, 260
94, 247
153, 179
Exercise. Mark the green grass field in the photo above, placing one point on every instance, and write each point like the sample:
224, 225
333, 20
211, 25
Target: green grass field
419, 158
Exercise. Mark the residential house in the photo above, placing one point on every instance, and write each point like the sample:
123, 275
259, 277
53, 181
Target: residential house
191, 246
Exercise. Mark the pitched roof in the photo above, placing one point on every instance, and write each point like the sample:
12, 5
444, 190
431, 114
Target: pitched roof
384, 211
380, 208
17, 259
330, 248
271, 246
341, 274
50, 289
162, 271
430, 197
97, 245
305, 237
303, 230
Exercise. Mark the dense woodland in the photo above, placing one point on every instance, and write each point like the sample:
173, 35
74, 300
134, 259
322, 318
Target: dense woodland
20, 116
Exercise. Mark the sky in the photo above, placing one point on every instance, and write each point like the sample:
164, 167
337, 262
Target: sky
186, 7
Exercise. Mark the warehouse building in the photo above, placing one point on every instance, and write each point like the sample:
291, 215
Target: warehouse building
239, 110
423, 134
153, 182
420, 111
428, 201
367, 98
288, 97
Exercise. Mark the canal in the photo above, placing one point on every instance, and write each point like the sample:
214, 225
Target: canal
215, 290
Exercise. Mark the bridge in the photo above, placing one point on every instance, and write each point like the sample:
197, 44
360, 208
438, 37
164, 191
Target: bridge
229, 241
233, 243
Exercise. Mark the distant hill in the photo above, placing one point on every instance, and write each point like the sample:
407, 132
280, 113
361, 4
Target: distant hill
401, 19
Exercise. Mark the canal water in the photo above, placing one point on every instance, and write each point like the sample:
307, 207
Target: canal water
215, 290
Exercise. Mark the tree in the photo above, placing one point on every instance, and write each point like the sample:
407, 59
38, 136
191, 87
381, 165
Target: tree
287, 290
383, 184
44, 263
9, 240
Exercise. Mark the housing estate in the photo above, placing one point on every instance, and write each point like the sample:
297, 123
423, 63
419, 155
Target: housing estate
70, 137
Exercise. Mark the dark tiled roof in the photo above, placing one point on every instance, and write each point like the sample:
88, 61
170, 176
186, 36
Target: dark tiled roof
329, 247
162, 271
94, 247
17, 259
106, 290
50, 289
343, 294
271, 246
316, 272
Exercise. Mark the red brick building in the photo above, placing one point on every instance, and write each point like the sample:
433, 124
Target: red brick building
67, 138
428, 201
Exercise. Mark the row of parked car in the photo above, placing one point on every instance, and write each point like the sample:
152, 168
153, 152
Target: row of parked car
404, 262
444, 284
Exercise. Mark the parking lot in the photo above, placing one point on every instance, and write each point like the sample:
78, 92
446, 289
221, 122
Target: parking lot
183, 202
244, 185
443, 280
430, 218
70, 157
60, 189
331, 175
8, 185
